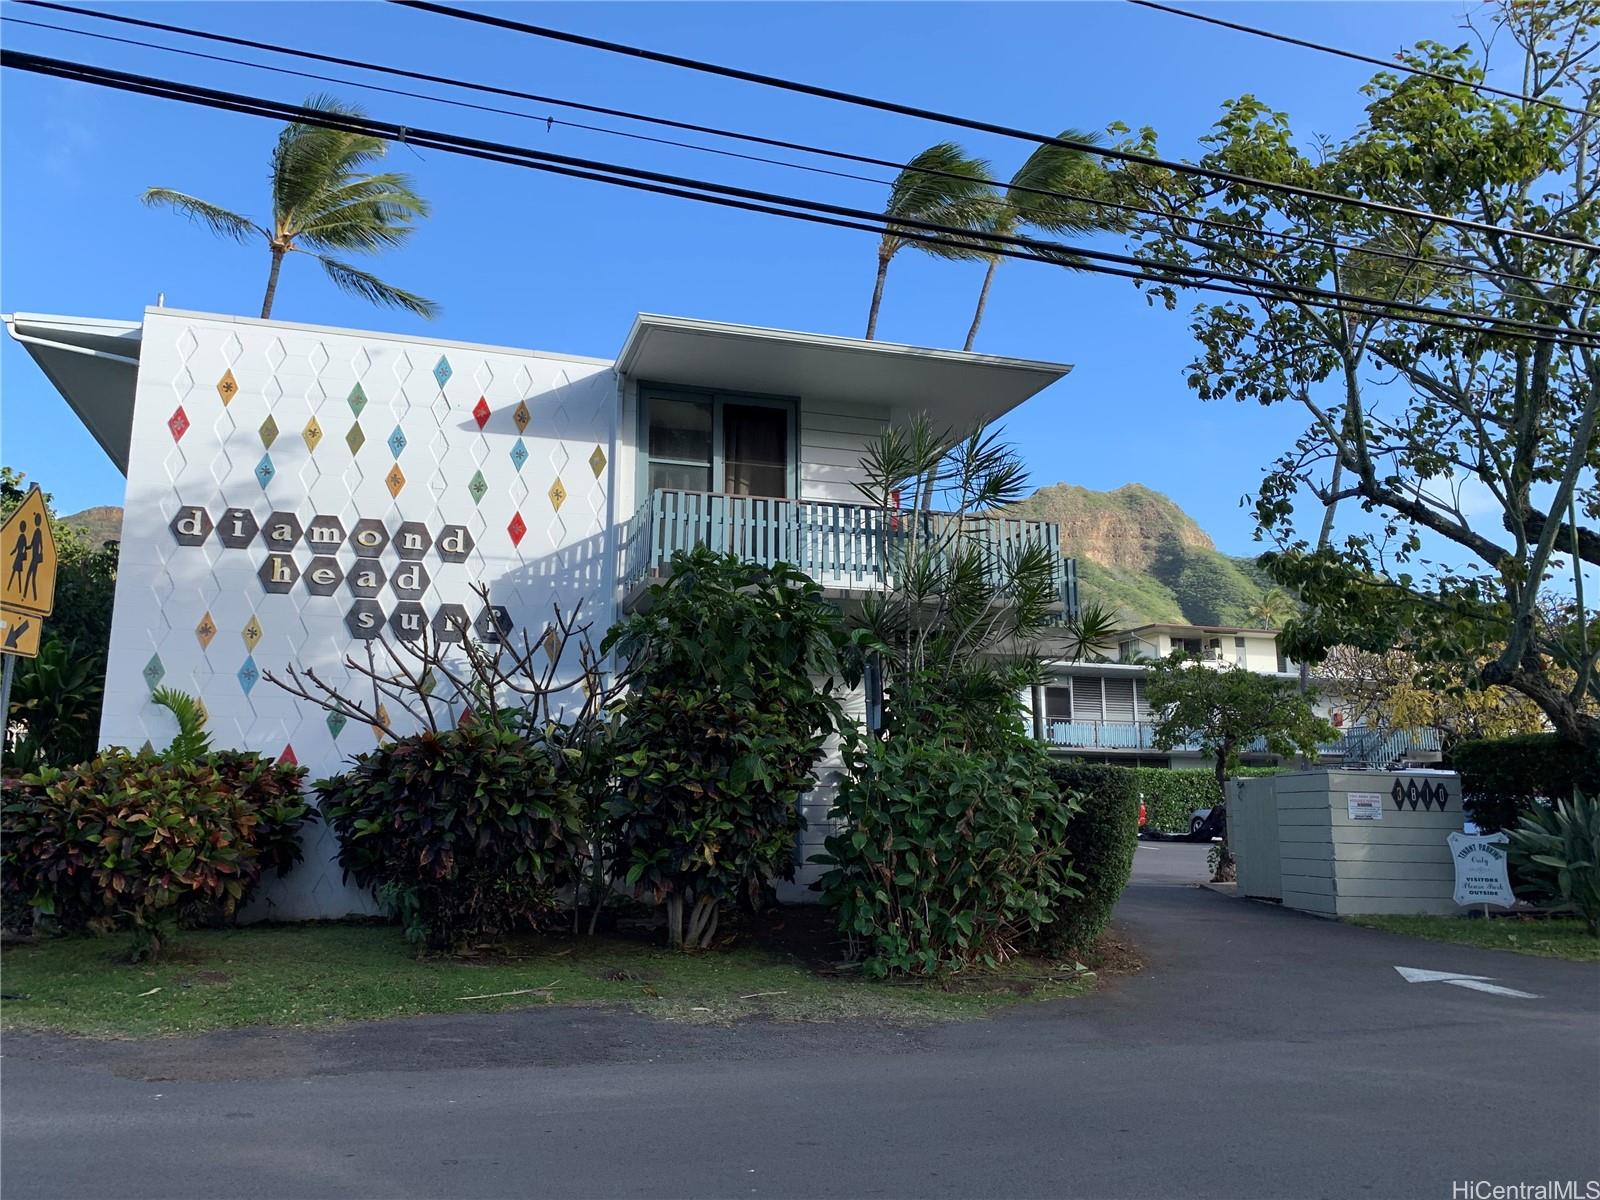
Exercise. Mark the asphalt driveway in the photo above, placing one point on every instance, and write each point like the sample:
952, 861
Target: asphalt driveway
1261, 1053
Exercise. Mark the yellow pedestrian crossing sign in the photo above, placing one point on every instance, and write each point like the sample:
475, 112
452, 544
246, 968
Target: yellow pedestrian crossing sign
28, 559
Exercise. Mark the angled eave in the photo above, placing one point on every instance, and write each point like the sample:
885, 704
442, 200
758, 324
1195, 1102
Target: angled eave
954, 387
94, 364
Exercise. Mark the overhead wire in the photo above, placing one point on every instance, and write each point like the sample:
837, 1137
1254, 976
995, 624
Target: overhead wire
945, 118
986, 243
1372, 60
1433, 264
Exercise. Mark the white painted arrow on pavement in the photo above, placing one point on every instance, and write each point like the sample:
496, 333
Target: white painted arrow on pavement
1478, 983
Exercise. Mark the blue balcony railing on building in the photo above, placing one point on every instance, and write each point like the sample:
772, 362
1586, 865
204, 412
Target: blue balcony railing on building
846, 546
1356, 747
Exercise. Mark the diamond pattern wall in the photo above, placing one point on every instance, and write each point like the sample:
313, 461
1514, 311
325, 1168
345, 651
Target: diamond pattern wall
272, 445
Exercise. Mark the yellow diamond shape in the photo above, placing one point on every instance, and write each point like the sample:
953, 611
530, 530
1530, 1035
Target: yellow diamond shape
227, 387
597, 461
395, 480
557, 494
312, 434
205, 631
552, 645
251, 633
383, 715
521, 416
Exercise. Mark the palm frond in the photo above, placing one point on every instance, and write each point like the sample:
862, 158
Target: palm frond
191, 741
1062, 170
370, 213
309, 160
221, 221
374, 290
968, 201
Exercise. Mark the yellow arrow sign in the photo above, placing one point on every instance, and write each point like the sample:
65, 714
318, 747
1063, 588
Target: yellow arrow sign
28, 559
19, 633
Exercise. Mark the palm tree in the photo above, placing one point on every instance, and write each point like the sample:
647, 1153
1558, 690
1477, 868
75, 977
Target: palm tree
322, 201
1092, 626
1274, 607
960, 194
1047, 169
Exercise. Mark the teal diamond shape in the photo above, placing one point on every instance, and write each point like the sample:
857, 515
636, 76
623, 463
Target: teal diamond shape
519, 454
248, 674
478, 486
357, 399
154, 671
397, 441
441, 370
336, 724
265, 470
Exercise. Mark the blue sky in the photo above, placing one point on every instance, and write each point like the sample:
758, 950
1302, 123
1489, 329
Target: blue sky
524, 259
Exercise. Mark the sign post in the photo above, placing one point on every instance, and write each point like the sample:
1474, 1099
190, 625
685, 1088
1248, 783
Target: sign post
27, 586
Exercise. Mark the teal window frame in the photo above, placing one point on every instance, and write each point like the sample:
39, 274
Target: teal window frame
719, 399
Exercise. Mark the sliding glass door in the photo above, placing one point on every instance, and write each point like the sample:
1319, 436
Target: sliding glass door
710, 442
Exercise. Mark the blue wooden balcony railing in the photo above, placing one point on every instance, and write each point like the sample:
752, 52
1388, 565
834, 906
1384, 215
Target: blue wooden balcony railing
847, 546
1372, 747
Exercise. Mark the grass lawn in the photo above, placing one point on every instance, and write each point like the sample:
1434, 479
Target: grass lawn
1554, 937
319, 973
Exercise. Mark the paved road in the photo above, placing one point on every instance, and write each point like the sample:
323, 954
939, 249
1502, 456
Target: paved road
1260, 1054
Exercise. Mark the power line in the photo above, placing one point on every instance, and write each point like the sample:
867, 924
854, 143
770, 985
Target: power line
1363, 58
914, 230
1433, 264
908, 110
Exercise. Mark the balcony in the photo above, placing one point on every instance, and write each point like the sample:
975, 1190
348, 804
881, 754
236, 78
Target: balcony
844, 547
1356, 747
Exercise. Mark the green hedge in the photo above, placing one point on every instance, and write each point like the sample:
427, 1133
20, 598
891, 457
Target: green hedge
1171, 794
1101, 839
1502, 776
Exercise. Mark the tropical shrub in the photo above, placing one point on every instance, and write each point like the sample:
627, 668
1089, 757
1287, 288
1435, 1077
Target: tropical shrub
55, 699
732, 669
1501, 778
271, 789
946, 856
1555, 851
461, 833
1101, 838
133, 841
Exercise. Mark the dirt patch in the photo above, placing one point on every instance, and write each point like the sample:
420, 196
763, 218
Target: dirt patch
1115, 954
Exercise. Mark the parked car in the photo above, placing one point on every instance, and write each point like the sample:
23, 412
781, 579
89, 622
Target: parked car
1208, 823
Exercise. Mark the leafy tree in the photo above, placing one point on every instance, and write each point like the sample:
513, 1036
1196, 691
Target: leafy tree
1402, 416
1055, 169
323, 203
1391, 690
732, 670
966, 202
1225, 710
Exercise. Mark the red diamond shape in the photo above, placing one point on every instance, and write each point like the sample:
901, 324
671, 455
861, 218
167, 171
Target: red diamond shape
516, 529
178, 422
288, 757
480, 412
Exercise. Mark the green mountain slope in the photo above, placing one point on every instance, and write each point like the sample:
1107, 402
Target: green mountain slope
1140, 553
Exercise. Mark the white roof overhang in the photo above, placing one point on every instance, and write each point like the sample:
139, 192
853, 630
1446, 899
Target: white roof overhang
94, 364
953, 387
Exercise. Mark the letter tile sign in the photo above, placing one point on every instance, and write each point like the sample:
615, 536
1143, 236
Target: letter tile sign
415, 470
